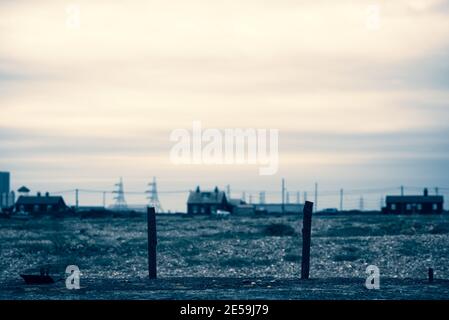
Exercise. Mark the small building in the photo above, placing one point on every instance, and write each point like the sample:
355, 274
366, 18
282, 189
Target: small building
414, 204
207, 202
41, 204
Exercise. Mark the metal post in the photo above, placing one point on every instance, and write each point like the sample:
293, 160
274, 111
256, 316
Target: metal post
283, 196
152, 242
341, 199
77, 199
306, 235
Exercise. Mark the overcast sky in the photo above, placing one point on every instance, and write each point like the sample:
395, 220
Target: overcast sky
360, 102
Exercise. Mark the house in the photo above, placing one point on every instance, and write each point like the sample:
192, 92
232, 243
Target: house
207, 202
41, 204
422, 204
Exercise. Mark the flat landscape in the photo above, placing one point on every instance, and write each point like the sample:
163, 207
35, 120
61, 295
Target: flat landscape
240, 257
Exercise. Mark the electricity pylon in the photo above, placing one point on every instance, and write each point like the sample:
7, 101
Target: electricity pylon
153, 197
120, 202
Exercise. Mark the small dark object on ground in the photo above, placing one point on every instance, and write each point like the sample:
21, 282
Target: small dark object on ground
42, 278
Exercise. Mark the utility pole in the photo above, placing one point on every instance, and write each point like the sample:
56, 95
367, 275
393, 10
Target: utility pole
316, 197
77, 203
228, 191
436, 190
298, 197
283, 195
244, 196
104, 199
341, 199
287, 199
381, 202
361, 203
262, 197
402, 190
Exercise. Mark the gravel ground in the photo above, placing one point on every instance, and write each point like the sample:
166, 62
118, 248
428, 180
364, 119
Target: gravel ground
238, 257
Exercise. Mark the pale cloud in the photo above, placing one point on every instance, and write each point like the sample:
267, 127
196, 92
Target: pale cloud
115, 87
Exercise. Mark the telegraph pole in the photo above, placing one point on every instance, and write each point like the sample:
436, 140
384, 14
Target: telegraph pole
77, 203
283, 195
262, 197
341, 199
316, 197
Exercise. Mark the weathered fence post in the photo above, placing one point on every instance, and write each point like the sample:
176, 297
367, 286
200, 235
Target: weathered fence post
152, 242
430, 274
306, 235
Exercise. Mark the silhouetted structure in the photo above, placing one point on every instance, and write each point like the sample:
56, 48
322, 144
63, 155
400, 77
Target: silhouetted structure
4, 182
7, 197
153, 197
120, 202
207, 202
41, 204
23, 191
421, 204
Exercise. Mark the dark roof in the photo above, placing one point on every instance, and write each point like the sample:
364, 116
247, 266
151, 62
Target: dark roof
23, 189
206, 197
414, 199
40, 200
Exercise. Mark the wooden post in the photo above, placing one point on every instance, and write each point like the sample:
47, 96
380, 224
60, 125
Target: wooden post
152, 242
306, 235
430, 275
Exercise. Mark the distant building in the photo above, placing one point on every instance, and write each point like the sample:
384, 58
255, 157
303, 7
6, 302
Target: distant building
207, 202
420, 204
4, 182
7, 197
276, 208
41, 204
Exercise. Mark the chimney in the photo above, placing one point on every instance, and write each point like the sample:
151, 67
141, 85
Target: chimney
426, 192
